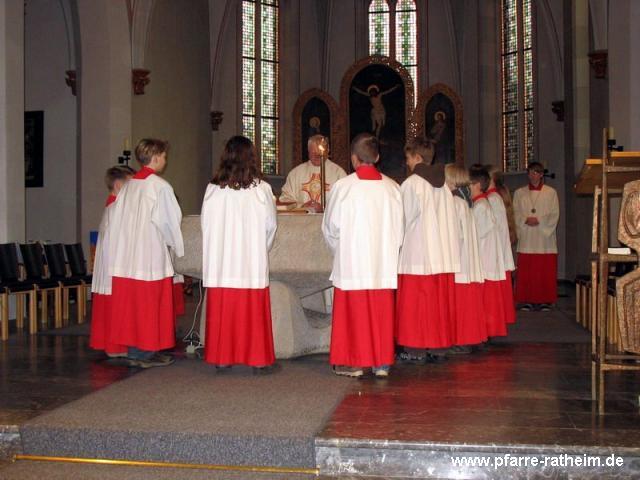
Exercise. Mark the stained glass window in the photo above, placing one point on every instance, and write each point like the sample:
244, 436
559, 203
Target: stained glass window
260, 68
393, 32
518, 96
379, 27
406, 35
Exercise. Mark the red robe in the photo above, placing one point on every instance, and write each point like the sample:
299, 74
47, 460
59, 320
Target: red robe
101, 336
363, 320
143, 314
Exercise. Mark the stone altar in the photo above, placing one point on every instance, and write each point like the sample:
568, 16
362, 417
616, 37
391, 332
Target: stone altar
300, 264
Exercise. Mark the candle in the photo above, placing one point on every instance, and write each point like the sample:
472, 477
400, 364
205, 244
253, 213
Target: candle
611, 134
126, 143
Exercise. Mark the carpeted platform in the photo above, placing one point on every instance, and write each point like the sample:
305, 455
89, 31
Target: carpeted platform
190, 413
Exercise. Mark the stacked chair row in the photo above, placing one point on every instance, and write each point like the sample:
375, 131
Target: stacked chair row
43, 271
584, 309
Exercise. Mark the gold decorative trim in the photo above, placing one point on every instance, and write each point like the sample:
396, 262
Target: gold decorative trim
149, 464
345, 86
457, 107
337, 126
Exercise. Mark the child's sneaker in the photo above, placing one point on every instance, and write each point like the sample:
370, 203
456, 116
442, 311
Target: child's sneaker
353, 372
381, 372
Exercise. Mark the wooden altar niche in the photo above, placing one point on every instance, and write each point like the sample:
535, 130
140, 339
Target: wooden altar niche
384, 78
316, 112
439, 117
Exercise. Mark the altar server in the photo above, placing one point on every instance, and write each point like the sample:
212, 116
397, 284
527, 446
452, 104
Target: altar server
502, 222
238, 228
303, 182
101, 302
493, 269
468, 314
362, 226
145, 224
536, 213
430, 254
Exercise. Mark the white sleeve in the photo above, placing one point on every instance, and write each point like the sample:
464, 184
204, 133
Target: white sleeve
289, 189
271, 220
549, 222
485, 221
330, 221
167, 217
411, 205
519, 213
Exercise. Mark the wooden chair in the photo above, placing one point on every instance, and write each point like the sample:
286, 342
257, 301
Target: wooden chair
33, 258
78, 267
54, 254
11, 284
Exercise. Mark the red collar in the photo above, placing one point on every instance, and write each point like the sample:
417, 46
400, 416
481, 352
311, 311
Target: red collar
539, 187
491, 190
480, 197
110, 199
368, 172
144, 172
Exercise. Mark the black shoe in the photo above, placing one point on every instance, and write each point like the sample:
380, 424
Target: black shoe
431, 358
545, 307
153, 361
266, 370
459, 350
408, 359
527, 307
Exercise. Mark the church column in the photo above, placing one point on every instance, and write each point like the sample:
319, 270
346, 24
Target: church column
104, 102
12, 194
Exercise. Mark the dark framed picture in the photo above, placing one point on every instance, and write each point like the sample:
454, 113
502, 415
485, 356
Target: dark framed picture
33, 149
316, 120
440, 127
439, 116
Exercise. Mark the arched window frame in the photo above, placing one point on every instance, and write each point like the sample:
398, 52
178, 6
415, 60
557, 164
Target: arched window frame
260, 79
388, 15
518, 57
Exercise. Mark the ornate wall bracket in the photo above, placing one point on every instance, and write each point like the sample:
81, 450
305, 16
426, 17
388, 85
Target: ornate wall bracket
598, 61
216, 119
140, 79
71, 80
557, 108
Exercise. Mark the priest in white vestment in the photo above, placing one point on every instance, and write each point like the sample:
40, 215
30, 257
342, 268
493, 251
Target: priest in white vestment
302, 186
537, 212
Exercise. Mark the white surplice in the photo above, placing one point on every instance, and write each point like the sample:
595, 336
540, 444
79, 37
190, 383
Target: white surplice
303, 182
238, 229
362, 226
488, 241
101, 280
500, 214
430, 243
470, 263
541, 238
145, 222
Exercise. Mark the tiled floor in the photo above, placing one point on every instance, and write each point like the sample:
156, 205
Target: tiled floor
511, 394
